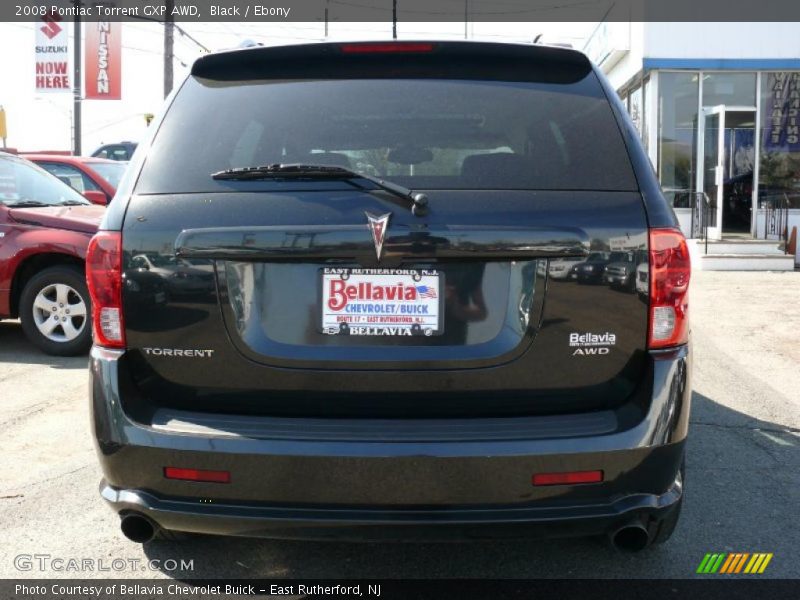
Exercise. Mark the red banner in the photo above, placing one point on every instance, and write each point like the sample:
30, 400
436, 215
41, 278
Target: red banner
103, 61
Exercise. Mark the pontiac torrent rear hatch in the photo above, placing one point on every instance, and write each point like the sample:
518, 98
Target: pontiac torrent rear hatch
319, 290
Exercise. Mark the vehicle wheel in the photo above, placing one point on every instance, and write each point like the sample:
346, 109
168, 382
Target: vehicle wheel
55, 311
665, 528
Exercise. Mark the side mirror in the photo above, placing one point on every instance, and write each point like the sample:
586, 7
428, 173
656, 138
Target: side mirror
96, 197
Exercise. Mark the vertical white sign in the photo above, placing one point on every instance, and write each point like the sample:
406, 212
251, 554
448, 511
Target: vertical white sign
52, 56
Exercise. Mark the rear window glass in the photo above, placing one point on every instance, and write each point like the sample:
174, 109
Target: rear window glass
422, 133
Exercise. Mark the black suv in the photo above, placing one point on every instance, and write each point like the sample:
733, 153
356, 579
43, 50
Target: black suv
120, 151
378, 352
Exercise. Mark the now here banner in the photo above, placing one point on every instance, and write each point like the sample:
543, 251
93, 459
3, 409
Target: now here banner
52, 66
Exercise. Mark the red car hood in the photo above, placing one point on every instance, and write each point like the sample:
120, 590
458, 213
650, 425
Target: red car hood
73, 218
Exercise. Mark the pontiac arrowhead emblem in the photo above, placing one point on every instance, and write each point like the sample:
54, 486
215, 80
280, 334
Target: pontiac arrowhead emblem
377, 226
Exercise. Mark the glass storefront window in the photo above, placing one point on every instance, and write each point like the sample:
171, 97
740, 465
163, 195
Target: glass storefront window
677, 128
732, 89
779, 171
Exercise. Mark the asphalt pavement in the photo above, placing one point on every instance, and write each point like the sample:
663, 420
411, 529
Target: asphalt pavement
742, 489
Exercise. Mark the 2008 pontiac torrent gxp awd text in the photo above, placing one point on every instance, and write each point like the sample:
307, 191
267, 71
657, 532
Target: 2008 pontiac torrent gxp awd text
370, 346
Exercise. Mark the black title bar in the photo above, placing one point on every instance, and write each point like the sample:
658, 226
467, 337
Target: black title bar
276, 11
397, 589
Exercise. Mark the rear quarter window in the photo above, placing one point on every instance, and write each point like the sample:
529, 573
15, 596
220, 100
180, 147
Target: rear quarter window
420, 132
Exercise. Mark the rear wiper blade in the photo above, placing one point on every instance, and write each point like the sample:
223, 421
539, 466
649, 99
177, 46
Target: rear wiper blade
419, 202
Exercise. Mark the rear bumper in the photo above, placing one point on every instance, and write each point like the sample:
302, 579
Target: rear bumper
354, 483
364, 524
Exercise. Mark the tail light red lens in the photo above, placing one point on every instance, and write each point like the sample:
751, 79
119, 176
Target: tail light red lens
386, 47
567, 478
670, 270
104, 278
197, 475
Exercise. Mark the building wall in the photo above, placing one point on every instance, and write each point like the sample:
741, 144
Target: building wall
632, 39
624, 49
721, 40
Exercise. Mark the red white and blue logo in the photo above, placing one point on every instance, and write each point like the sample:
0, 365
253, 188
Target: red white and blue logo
423, 291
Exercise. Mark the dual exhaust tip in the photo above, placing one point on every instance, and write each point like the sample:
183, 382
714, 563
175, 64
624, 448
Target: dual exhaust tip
632, 537
138, 528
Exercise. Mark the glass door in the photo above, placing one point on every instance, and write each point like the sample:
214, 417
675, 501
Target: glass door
726, 159
710, 171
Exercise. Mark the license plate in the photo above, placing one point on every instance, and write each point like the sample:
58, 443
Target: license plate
371, 302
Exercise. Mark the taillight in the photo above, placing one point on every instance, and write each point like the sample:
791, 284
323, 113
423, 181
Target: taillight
104, 278
386, 47
670, 269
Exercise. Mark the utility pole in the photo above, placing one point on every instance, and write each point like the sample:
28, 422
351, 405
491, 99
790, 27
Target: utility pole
169, 46
394, 19
76, 83
466, 17
327, 3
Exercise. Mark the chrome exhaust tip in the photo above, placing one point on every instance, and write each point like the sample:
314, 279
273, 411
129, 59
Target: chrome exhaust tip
137, 528
632, 537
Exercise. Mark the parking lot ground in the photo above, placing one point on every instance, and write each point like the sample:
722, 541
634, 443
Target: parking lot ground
742, 491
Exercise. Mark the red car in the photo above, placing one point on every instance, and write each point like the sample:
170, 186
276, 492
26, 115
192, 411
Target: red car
96, 178
45, 228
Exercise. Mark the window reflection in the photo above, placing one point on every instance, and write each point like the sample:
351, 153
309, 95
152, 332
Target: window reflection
677, 160
779, 172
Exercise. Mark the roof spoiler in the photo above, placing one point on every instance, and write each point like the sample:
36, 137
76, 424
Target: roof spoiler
451, 59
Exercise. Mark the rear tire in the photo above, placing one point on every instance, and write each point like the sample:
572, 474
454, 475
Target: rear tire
55, 311
630, 284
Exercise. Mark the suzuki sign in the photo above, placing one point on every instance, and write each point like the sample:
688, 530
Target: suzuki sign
52, 55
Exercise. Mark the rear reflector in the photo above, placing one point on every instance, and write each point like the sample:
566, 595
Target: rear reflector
386, 47
197, 475
568, 478
670, 270
104, 280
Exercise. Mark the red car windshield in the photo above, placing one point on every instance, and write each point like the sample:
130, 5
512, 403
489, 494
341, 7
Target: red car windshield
24, 184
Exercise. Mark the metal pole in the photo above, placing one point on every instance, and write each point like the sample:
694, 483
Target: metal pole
76, 83
169, 46
466, 17
327, 3
394, 19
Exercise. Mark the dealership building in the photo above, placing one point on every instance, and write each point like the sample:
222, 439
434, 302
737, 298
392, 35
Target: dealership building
717, 106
